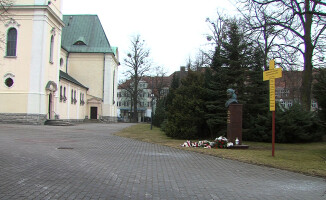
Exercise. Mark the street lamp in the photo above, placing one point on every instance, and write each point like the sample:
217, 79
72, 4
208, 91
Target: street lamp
152, 97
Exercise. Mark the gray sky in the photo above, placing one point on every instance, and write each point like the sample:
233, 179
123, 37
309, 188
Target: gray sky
172, 29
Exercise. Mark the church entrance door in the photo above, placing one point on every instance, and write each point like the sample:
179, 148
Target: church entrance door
93, 112
50, 105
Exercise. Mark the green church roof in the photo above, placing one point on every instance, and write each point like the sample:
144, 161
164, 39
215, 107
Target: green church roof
65, 76
84, 34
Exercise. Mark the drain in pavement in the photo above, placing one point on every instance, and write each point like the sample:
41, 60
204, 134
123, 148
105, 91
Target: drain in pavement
69, 148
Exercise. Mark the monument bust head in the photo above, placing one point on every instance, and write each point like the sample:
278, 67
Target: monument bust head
232, 97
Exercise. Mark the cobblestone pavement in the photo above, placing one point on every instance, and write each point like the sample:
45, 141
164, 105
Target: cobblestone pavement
88, 162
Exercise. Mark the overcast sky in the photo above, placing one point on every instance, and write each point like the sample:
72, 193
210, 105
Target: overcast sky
174, 30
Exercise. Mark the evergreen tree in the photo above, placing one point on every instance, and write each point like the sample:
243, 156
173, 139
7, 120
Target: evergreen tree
160, 112
234, 53
173, 88
256, 104
215, 84
160, 117
292, 125
185, 118
319, 92
228, 71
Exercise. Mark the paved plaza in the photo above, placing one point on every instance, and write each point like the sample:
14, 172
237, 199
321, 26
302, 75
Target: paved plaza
87, 161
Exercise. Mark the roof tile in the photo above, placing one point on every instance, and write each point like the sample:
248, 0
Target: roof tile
89, 29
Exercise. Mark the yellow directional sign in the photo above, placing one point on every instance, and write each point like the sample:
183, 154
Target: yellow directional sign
271, 75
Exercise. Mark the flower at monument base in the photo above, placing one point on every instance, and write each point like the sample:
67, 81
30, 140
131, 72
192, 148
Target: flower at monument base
229, 144
186, 144
221, 142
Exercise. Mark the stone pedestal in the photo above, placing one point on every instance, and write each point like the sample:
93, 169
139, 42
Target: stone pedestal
234, 123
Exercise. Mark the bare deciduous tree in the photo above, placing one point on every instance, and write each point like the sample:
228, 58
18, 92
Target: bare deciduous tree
4, 8
138, 64
303, 24
216, 36
159, 82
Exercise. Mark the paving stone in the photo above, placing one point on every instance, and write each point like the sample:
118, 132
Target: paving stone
88, 162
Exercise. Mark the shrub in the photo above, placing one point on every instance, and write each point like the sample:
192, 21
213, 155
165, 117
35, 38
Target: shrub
291, 125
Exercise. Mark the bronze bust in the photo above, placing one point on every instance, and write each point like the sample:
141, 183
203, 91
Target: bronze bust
232, 97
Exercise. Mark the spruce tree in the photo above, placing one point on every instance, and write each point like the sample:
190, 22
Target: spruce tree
185, 117
163, 104
228, 67
216, 86
234, 53
256, 102
319, 92
160, 112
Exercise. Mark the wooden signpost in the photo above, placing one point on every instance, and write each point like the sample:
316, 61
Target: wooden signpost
271, 75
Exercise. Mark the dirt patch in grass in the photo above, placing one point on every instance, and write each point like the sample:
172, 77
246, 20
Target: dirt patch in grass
308, 158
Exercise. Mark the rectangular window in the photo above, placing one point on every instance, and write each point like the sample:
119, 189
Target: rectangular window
64, 95
72, 96
285, 92
75, 99
61, 97
314, 104
283, 103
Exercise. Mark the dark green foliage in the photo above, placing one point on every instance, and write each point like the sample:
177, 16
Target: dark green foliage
319, 93
216, 112
197, 108
297, 125
256, 97
173, 88
228, 71
160, 112
259, 128
163, 104
186, 113
234, 55
291, 126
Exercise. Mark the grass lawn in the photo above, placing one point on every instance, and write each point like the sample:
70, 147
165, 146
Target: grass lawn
303, 158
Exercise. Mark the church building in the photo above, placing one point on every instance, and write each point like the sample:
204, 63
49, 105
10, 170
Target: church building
55, 66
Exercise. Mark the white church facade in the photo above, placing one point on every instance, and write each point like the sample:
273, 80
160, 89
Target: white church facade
55, 66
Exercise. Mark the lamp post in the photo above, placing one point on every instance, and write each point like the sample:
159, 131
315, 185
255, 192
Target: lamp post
152, 97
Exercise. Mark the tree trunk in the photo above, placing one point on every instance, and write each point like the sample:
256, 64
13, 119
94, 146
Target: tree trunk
135, 115
307, 71
306, 83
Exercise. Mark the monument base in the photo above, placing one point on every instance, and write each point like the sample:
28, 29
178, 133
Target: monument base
234, 123
239, 147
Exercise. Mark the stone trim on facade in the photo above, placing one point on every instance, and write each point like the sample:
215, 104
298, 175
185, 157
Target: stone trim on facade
22, 118
109, 119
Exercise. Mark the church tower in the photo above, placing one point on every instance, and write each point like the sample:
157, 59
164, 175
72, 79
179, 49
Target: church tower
29, 64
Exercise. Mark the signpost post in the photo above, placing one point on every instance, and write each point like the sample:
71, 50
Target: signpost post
271, 75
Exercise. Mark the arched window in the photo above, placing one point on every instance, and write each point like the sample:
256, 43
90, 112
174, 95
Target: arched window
11, 42
51, 48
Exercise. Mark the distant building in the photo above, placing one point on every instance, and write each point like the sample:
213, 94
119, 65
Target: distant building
55, 66
287, 89
151, 89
